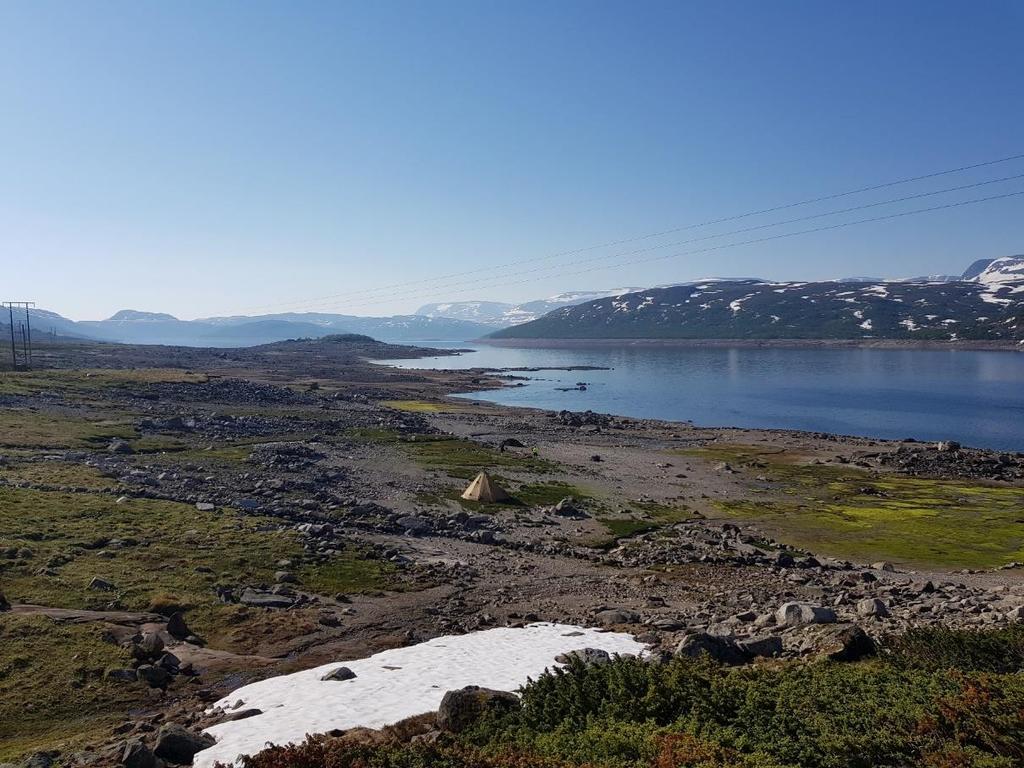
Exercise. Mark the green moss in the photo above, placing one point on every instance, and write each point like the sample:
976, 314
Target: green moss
55, 473
24, 428
86, 381
549, 493
350, 573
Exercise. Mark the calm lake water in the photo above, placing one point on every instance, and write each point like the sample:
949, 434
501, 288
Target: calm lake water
976, 398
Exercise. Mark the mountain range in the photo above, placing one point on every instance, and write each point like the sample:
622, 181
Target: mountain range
986, 302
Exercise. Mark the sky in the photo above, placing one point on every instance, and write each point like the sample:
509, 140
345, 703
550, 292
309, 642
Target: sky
238, 157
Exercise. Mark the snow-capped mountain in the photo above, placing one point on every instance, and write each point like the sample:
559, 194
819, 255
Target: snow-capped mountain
500, 314
987, 306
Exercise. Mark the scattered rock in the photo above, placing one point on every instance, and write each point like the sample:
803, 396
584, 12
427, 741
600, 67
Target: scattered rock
137, 755
460, 709
589, 656
796, 614
846, 644
341, 673
177, 744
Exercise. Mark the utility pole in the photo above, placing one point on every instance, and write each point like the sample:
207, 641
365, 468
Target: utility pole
26, 335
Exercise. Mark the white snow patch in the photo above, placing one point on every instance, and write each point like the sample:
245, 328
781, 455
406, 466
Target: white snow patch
877, 290
395, 684
909, 324
866, 325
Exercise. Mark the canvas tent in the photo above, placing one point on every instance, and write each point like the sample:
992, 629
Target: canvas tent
484, 489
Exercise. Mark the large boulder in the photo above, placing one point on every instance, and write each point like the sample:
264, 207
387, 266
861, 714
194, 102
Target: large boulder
872, 607
849, 643
176, 626
798, 614
613, 616
137, 755
460, 709
589, 656
177, 744
341, 674
718, 647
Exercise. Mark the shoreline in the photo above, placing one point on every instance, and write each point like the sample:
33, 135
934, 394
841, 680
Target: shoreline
894, 344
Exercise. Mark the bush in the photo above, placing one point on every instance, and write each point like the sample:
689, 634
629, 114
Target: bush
992, 650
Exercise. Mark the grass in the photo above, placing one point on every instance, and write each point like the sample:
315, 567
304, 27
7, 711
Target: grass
86, 381
348, 573
417, 406
849, 512
24, 428
52, 687
166, 543
56, 473
464, 458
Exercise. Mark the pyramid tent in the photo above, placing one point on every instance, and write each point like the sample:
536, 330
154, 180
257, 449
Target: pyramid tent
484, 489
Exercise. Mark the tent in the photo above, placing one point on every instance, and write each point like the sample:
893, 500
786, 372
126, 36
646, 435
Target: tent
484, 489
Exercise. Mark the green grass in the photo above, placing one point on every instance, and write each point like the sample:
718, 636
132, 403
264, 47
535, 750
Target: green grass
416, 406
848, 512
52, 687
546, 494
464, 458
349, 573
56, 473
87, 381
23, 428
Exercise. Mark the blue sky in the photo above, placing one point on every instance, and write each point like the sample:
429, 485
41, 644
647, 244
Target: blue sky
227, 157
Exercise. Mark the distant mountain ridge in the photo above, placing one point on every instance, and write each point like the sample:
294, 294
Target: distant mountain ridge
500, 314
987, 305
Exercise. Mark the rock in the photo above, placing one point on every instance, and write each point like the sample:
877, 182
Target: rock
149, 646
4, 603
264, 599
120, 446
872, 606
176, 626
341, 673
177, 744
415, 525
137, 755
242, 714
285, 577
765, 645
846, 644
460, 709
204, 506
154, 677
613, 616
718, 647
796, 614
884, 565
945, 446
1016, 614
101, 585
122, 675
589, 656
40, 760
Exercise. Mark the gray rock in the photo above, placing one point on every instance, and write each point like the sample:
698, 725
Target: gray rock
341, 673
872, 606
797, 614
122, 675
137, 755
177, 744
204, 506
614, 616
176, 626
846, 644
264, 599
718, 647
765, 645
120, 446
154, 677
101, 585
460, 709
589, 656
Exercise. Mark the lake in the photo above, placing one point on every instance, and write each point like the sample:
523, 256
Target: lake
976, 398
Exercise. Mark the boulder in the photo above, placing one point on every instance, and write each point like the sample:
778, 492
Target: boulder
613, 616
176, 626
797, 614
872, 607
4, 603
848, 643
101, 585
177, 744
460, 709
264, 599
718, 647
764, 645
589, 656
149, 646
122, 675
1016, 614
341, 673
137, 755
153, 676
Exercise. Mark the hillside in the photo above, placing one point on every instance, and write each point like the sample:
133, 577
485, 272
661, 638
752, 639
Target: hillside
501, 314
990, 306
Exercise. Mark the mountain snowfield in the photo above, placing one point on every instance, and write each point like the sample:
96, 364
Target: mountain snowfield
500, 314
396, 684
988, 306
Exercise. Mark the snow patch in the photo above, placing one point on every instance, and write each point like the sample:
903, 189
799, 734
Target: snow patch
395, 684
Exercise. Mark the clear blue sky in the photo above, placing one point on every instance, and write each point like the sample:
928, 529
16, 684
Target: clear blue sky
217, 157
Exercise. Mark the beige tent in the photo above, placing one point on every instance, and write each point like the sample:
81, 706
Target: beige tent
484, 489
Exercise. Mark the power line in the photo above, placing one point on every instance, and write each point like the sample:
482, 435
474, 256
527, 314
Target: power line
416, 292
785, 235
860, 190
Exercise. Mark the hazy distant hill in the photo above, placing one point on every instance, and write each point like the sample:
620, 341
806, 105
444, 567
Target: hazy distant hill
136, 327
988, 305
499, 314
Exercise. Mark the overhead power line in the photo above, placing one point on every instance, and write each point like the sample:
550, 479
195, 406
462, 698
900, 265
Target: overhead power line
413, 293
480, 270
769, 238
